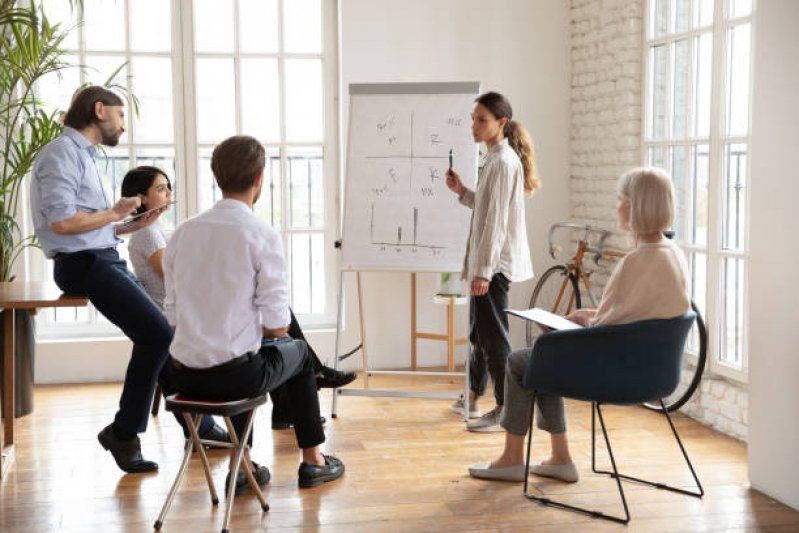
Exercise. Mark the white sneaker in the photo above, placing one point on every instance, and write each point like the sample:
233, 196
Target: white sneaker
488, 423
474, 411
567, 473
508, 473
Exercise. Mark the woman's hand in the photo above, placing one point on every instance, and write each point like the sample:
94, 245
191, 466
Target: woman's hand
479, 286
581, 316
454, 183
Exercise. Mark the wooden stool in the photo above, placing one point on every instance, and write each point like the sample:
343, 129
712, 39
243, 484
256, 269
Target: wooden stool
449, 337
192, 410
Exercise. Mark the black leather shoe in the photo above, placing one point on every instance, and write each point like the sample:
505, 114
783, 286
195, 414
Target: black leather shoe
262, 477
216, 433
330, 378
127, 453
285, 424
315, 475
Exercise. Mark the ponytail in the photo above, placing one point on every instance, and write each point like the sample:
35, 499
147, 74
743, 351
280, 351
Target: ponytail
522, 144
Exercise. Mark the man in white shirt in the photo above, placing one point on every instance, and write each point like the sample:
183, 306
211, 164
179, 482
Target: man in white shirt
227, 298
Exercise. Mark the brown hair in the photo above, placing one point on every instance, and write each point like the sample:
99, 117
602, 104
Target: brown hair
236, 162
517, 136
81, 111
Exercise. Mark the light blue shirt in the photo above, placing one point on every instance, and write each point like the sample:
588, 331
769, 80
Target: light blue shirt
65, 179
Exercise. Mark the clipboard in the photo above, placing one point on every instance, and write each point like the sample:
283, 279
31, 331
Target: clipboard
545, 318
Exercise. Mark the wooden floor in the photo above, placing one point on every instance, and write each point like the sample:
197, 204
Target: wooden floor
406, 465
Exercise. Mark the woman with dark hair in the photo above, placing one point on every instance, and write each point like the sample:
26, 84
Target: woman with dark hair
146, 246
497, 252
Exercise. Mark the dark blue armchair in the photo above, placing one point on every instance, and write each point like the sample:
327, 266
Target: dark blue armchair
619, 365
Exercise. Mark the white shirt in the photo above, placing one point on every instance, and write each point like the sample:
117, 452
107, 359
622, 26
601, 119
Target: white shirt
225, 278
498, 232
650, 282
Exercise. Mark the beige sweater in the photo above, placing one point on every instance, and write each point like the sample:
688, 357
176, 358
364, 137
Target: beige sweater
650, 282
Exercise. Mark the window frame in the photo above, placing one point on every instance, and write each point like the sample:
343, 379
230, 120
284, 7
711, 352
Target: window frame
716, 141
187, 149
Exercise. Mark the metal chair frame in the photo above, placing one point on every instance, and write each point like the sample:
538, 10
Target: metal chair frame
597, 410
192, 410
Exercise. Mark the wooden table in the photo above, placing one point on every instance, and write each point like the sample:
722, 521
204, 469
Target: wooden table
22, 295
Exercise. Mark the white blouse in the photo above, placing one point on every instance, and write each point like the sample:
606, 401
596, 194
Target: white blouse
498, 233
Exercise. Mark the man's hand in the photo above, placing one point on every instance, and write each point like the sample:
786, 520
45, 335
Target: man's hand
125, 207
140, 222
479, 286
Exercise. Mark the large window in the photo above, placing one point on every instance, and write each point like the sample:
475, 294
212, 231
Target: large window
204, 70
698, 78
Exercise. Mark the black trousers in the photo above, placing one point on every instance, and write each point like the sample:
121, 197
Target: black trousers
105, 279
282, 363
490, 338
281, 405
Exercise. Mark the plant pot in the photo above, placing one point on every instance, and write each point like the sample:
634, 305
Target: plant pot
450, 285
24, 349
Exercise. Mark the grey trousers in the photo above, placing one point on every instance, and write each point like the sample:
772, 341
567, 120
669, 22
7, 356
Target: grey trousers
516, 409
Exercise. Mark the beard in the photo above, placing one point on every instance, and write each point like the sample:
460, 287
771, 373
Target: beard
109, 135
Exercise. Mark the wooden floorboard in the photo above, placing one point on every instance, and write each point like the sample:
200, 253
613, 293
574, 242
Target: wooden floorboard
406, 464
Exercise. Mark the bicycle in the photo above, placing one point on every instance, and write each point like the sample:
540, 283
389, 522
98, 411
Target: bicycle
558, 291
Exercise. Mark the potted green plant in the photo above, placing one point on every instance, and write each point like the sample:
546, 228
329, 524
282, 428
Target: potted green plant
450, 284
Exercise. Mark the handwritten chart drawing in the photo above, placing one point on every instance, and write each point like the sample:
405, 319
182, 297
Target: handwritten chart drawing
399, 214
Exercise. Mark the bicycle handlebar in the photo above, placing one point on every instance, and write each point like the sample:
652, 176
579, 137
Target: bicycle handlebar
601, 233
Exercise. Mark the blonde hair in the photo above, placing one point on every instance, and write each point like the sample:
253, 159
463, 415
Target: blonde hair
517, 136
651, 195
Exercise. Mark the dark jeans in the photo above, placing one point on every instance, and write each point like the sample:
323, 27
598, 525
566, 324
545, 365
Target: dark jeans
105, 279
281, 405
489, 337
276, 364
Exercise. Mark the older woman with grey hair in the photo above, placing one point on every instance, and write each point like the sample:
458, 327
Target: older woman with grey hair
651, 282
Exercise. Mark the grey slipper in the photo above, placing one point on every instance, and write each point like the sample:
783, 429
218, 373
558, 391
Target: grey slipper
508, 473
567, 473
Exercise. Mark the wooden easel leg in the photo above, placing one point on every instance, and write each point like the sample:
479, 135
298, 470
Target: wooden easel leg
413, 320
339, 318
451, 335
363, 338
7, 440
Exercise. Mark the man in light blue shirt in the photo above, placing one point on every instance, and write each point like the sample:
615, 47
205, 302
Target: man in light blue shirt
78, 228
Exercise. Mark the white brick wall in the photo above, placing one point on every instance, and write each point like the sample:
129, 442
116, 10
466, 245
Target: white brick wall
607, 65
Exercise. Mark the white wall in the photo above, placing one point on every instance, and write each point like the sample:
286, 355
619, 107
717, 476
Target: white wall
517, 47
774, 244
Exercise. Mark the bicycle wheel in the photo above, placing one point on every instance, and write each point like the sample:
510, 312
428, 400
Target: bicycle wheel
691, 370
557, 281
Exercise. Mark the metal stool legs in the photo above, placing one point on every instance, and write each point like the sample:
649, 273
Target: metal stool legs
597, 410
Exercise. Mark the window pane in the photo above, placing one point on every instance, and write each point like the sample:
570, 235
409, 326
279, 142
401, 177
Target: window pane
206, 184
737, 89
150, 25
697, 264
163, 158
216, 99
112, 166
213, 25
304, 121
738, 8
732, 307
152, 84
703, 68
734, 200
104, 24
700, 169
60, 12
682, 15
260, 102
682, 191
307, 273
258, 25
681, 79
656, 157
55, 90
658, 13
269, 205
302, 28
658, 65
306, 187
704, 13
